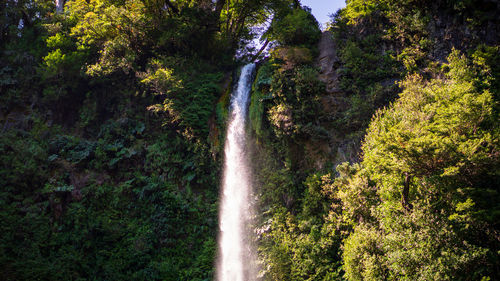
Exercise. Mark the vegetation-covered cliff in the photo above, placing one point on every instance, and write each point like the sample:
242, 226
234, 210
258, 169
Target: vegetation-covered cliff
375, 143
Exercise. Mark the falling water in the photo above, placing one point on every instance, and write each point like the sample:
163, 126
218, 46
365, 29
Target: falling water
59, 6
234, 256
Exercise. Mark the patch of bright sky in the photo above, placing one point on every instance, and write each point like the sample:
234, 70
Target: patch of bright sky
321, 9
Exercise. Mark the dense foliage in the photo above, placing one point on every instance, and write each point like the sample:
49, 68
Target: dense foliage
433, 181
422, 203
112, 116
110, 140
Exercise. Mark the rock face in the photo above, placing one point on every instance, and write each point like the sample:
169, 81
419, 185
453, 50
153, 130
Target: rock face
328, 62
338, 147
448, 30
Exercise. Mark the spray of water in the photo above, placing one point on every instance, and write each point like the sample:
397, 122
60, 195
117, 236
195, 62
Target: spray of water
235, 260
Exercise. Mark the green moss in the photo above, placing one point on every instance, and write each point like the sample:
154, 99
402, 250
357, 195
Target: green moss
260, 91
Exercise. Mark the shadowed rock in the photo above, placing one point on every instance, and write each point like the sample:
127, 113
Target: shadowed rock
328, 62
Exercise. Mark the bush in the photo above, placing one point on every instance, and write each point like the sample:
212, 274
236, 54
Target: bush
431, 159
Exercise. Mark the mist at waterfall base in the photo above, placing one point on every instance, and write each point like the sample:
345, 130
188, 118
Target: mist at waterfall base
235, 262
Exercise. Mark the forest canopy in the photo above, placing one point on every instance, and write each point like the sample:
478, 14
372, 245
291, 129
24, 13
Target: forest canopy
374, 142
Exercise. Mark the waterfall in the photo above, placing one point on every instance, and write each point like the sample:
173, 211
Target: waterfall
59, 6
235, 259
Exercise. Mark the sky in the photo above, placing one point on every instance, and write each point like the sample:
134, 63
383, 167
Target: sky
322, 8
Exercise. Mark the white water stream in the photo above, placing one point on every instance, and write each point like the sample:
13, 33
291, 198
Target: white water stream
235, 258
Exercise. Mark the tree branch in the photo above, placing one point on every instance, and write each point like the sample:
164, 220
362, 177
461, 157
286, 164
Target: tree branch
219, 6
261, 50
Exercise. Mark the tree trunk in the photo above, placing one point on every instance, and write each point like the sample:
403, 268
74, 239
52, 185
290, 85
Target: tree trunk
406, 190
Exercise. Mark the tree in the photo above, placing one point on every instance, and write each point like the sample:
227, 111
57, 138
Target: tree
432, 158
